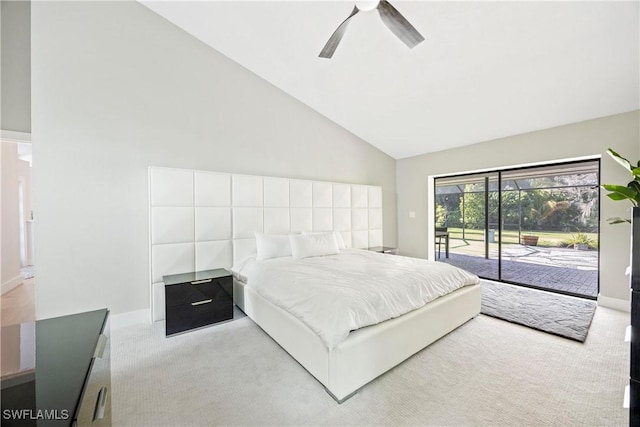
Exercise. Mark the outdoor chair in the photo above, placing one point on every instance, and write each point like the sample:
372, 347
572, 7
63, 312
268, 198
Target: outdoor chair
439, 239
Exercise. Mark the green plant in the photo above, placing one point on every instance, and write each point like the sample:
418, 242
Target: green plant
441, 215
548, 243
581, 238
546, 208
629, 192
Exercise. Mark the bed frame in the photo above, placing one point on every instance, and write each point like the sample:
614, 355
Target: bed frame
368, 352
201, 220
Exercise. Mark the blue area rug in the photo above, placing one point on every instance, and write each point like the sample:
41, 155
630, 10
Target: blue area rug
566, 316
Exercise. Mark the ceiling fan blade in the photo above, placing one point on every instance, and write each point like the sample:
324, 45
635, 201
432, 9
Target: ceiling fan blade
334, 40
399, 25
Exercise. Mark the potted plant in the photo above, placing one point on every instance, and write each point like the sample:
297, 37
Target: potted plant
581, 241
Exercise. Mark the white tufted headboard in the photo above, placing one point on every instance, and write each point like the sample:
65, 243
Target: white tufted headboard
202, 220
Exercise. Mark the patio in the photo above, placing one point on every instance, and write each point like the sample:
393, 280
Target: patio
561, 269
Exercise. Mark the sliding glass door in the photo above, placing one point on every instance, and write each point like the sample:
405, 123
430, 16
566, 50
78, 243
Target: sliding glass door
534, 226
467, 211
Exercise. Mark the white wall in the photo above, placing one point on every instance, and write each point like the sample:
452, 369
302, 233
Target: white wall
10, 221
115, 89
15, 99
593, 137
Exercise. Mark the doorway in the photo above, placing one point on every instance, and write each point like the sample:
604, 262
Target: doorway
534, 226
18, 282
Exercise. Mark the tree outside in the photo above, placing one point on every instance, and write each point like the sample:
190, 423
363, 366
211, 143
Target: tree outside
566, 205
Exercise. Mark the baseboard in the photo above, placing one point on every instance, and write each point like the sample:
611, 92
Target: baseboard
12, 283
614, 303
130, 318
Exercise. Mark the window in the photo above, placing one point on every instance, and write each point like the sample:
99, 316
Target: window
535, 226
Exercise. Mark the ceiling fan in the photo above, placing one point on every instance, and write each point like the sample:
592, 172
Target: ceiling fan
389, 15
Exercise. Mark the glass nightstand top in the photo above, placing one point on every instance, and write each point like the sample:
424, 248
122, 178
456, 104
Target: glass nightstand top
175, 279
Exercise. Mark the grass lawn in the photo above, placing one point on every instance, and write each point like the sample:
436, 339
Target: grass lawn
546, 238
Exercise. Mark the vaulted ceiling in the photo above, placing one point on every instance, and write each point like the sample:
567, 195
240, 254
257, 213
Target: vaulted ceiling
486, 69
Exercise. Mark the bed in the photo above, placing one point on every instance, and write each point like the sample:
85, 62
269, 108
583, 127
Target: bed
343, 358
201, 220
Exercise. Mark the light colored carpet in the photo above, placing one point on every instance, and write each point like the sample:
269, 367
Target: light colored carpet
487, 372
562, 315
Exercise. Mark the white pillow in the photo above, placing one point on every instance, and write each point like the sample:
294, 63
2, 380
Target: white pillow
339, 239
309, 245
272, 246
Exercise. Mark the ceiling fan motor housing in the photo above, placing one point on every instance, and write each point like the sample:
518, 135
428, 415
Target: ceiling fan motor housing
366, 5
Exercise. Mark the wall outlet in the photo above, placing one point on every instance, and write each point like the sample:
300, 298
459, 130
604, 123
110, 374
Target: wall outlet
412, 214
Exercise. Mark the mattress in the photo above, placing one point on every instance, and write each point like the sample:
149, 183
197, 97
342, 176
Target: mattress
334, 295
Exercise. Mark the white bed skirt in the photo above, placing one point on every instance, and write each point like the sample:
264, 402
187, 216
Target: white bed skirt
367, 352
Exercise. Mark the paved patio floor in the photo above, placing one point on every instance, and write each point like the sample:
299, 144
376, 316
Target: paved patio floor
566, 270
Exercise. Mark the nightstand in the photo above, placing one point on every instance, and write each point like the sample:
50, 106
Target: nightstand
384, 250
197, 299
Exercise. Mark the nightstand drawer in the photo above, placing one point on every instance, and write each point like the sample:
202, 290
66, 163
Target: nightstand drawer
197, 299
186, 293
199, 313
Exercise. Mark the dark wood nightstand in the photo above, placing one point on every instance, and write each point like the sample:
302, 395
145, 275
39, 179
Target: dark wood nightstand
197, 299
384, 250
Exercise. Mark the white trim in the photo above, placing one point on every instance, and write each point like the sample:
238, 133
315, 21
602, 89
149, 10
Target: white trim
522, 165
10, 284
16, 137
130, 318
614, 303
150, 319
431, 217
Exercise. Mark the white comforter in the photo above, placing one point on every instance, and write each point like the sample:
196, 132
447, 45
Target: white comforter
336, 294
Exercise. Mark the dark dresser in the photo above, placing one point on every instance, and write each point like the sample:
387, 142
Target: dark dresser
634, 380
72, 379
193, 300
